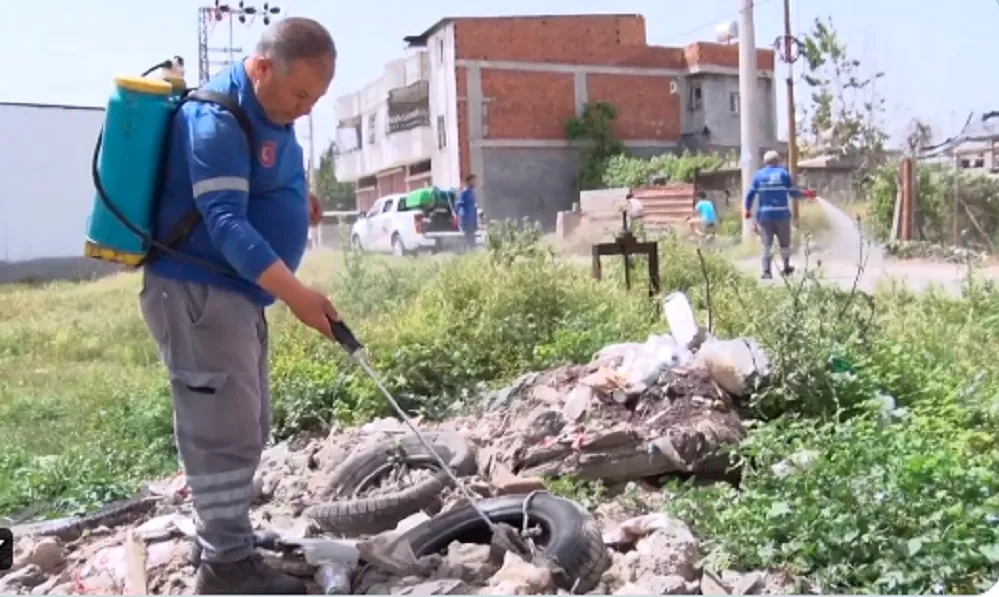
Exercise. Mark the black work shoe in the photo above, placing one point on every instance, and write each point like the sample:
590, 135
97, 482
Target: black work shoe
788, 270
766, 276
245, 577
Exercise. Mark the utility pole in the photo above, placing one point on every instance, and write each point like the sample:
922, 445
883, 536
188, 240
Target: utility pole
209, 16
790, 55
205, 17
748, 106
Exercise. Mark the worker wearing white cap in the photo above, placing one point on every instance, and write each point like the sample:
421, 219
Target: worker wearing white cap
775, 188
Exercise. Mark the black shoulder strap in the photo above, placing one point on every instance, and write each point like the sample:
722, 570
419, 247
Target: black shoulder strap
230, 104
191, 219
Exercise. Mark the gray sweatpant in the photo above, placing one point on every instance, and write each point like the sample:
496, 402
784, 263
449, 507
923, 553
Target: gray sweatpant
781, 229
214, 345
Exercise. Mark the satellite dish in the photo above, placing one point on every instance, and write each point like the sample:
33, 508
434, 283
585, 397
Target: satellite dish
727, 32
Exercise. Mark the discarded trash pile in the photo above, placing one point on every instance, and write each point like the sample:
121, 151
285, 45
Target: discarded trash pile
367, 510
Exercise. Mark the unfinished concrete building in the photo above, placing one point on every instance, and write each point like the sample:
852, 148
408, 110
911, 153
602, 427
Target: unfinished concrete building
492, 96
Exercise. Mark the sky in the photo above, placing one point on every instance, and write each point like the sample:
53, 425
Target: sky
938, 59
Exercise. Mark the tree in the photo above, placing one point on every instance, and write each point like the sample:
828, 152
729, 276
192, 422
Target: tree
918, 135
846, 115
595, 128
334, 195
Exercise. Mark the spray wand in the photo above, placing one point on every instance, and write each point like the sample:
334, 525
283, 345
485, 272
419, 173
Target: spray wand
504, 535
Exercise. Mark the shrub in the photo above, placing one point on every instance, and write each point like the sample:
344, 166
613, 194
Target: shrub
901, 508
897, 409
936, 185
631, 171
478, 319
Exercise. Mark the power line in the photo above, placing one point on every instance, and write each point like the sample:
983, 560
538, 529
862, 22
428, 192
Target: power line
715, 21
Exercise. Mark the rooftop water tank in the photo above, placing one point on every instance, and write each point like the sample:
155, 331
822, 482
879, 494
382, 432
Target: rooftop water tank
727, 32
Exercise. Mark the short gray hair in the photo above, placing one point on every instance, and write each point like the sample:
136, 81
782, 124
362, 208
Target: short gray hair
296, 38
771, 158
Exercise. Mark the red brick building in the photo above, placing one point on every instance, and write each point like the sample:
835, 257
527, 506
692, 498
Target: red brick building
495, 93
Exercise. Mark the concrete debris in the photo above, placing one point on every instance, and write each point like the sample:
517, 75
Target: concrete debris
505, 482
626, 533
711, 584
517, 577
47, 554
470, 562
632, 589
659, 554
637, 412
23, 579
746, 584
446, 586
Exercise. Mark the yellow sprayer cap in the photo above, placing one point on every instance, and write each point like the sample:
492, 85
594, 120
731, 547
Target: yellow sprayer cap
144, 85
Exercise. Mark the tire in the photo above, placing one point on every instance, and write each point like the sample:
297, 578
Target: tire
571, 536
349, 514
355, 244
398, 249
369, 516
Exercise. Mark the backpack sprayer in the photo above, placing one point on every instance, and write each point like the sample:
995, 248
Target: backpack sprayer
129, 164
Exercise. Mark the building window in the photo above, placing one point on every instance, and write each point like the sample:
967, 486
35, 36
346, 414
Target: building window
965, 163
440, 49
696, 100
441, 133
734, 100
371, 129
979, 162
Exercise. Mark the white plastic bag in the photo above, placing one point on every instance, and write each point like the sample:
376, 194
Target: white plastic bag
644, 364
680, 316
731, 363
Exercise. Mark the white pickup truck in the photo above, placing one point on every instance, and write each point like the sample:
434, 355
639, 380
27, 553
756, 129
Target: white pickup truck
385, 228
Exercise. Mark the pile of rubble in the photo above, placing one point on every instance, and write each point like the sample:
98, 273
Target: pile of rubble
634, 414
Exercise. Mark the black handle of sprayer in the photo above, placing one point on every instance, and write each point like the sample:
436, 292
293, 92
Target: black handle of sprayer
344, 337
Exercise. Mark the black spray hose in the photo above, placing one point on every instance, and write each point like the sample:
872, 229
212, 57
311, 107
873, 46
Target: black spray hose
111, 207
164, 64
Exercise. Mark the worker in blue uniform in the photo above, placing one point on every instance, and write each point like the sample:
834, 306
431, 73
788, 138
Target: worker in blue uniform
209, 327
775, 189
468, 212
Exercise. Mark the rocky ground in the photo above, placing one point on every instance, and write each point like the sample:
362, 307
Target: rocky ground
636, 413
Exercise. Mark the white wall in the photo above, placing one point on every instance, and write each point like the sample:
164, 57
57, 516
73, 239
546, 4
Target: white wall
388, 151
47, 191
444, 102
398, 149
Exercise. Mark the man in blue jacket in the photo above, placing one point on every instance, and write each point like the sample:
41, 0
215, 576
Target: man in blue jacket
468, 212
774, 186
210, 327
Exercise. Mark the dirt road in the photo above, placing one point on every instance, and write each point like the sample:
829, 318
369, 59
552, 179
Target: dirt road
844, 246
